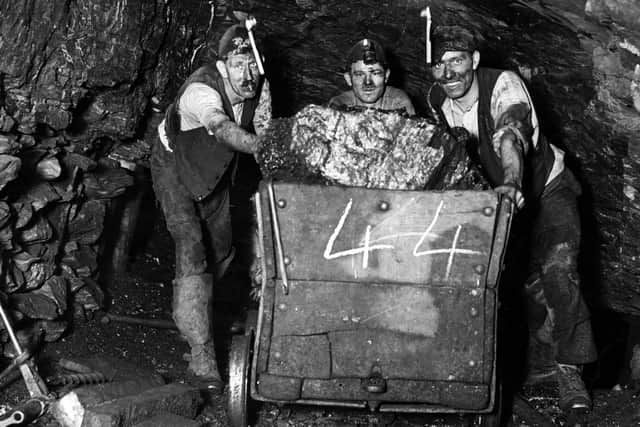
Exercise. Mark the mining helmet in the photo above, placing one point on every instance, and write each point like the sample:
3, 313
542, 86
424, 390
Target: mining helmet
234, 41
452, 38
368, 51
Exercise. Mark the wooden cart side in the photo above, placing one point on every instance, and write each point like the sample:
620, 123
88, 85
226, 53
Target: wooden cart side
383, 236
504, 219
497, 211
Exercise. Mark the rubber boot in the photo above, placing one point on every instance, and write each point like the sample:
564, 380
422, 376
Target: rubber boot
192, 313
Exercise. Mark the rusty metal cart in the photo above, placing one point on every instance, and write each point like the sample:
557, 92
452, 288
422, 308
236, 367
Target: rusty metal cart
374, 298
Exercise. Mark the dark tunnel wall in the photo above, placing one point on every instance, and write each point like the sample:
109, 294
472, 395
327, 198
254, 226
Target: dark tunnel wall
90, 71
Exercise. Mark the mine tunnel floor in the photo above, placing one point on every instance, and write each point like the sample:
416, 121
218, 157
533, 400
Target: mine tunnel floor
145, 291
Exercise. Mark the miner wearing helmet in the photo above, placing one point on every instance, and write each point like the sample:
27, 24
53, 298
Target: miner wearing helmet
367, 72
214, 117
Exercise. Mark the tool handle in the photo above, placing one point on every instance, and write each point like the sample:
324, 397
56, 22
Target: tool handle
10, 331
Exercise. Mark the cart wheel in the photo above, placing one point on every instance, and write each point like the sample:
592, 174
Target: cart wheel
239, 363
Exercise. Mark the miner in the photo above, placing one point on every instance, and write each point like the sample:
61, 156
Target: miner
495, 108
367, 72
214, 117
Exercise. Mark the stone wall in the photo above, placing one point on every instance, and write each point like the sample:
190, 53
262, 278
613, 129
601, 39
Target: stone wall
78, 83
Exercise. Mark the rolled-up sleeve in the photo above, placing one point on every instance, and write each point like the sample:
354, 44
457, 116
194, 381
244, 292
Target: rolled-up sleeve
201, 105
512, 111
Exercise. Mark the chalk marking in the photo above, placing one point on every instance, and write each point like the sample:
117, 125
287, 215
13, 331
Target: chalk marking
452, 253
428, 230
367, 247
336, 232
395, 307
407, 234
365, 255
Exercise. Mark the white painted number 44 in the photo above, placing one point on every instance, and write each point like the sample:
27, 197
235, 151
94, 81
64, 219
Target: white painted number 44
370, 244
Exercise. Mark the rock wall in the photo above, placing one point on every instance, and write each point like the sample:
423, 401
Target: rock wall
89, 79
78, 84
602, 133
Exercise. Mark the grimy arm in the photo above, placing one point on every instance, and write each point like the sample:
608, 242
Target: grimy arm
239, 139
512, 140
229, 133
511, 153
204, 104
516, 131
512, 147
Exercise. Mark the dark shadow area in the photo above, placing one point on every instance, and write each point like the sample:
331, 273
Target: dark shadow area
232, 292
149, 220
397, 77
78, 123
276, 70
124, 228
513, 331
611, 331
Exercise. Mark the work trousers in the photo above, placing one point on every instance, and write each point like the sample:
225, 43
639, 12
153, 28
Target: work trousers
201, 230
558, 317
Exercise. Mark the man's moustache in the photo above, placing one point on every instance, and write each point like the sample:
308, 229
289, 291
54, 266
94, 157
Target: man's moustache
453, 79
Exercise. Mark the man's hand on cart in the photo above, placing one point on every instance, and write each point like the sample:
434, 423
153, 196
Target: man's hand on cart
255, 274
513, 192
255, 293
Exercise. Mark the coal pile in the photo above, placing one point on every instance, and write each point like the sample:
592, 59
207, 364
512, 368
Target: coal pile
363, 148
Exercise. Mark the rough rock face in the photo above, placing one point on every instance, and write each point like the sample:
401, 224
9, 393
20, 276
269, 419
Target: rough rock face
81, 77
87, 67
76, 84
366, 148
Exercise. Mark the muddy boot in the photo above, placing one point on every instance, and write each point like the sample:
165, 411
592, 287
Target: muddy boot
573, 393
192, 314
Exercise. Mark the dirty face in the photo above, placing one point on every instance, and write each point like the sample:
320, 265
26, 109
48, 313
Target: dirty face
242, 73
454, 72
367, 80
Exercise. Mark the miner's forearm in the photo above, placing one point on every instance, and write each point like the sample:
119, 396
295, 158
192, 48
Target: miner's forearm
512, 159
235, 137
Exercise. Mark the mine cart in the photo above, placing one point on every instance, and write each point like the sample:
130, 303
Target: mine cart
374, 298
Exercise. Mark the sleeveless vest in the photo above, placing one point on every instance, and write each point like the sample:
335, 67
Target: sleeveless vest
538, 162
201, 160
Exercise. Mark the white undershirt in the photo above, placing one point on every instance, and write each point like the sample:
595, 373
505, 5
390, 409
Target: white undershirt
457, 117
